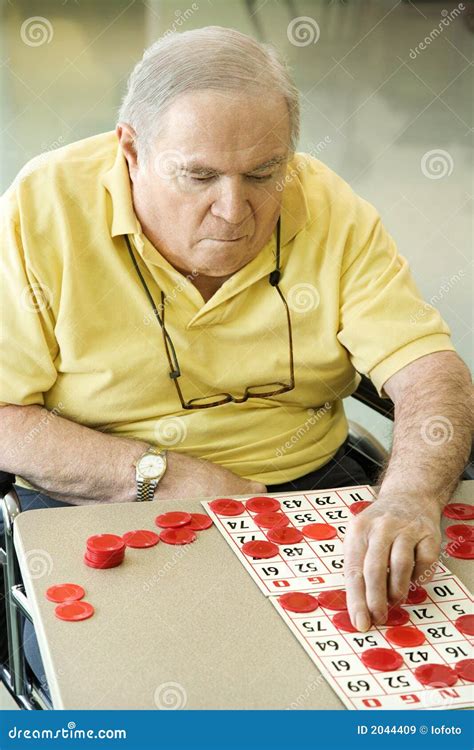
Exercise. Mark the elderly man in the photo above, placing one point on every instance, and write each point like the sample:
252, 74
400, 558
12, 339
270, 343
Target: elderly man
187, 301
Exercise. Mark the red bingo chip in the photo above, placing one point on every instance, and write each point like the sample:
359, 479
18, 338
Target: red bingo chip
465, 669
461, 550
459, 511
382, 659
106, 556
105, 543
335, 599
319, 531
74, 611
460, 531
173, 520
358, 507
64, 592
200, 521
271, 520
260, 549
102, 565
416, 594
262, 504
465, 624
396, 616
342, 621
224, 506
141, 538
297, 601
405, 636
436, 675
183, 535
284, 535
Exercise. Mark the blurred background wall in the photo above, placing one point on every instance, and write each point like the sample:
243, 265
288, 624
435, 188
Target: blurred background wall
386, 90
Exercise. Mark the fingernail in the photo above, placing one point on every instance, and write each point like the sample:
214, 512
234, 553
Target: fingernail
380, 617
362, 622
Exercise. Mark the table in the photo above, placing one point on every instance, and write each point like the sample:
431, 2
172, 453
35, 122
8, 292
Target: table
173, 626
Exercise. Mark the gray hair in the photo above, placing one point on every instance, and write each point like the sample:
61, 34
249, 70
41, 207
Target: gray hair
213, 57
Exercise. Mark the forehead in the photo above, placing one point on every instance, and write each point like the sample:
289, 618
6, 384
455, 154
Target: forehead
231, 130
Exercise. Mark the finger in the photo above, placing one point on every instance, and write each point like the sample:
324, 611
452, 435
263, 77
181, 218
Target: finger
402, 560
355, 547
426, 558
375, 575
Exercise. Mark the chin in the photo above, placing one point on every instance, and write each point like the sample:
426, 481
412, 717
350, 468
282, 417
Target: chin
217, 264
224, 269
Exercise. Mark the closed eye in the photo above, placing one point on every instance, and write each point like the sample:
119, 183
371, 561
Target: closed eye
207, 178
260, 177
203, 178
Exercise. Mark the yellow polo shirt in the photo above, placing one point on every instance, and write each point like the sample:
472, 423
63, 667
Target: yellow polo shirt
78, 335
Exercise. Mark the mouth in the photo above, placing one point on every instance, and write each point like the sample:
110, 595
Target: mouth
217, 239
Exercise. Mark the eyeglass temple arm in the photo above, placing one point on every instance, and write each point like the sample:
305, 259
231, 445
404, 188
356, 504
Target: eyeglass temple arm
274, 280
175, 371
276, 273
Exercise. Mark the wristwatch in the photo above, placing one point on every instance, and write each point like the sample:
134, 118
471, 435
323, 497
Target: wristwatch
149, 469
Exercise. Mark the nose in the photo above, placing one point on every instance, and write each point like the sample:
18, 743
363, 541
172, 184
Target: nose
231, 203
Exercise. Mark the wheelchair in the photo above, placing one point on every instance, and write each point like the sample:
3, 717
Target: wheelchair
15, 673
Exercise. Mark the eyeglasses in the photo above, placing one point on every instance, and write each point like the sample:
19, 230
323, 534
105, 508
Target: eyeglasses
265, 390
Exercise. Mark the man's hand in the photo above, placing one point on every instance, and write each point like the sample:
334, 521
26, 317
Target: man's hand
401, 534
431, 445
187, 477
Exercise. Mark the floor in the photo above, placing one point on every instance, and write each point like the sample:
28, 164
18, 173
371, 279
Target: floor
6, 701
385, 96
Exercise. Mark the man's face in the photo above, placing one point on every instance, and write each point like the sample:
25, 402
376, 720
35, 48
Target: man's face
208, 198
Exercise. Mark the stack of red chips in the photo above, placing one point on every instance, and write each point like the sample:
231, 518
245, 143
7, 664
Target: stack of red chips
104, 551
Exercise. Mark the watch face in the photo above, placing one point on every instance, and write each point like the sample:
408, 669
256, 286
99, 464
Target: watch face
151, 467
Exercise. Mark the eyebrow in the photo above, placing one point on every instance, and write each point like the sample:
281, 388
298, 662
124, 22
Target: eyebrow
196, 166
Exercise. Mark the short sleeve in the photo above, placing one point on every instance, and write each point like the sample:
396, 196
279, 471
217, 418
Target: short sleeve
27, 342
384, 322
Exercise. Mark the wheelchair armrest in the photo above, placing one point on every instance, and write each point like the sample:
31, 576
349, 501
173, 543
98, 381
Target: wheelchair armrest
367, 394
6, 482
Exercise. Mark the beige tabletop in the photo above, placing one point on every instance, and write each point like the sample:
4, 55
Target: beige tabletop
173, 626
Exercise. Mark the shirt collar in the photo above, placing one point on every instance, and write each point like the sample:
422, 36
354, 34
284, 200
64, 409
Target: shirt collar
294, 210
117, 182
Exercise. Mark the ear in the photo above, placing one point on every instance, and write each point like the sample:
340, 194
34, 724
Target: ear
127, 138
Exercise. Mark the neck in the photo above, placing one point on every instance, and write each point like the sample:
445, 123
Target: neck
208, 285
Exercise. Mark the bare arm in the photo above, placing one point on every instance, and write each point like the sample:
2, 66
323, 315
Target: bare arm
79, 465
401, 530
